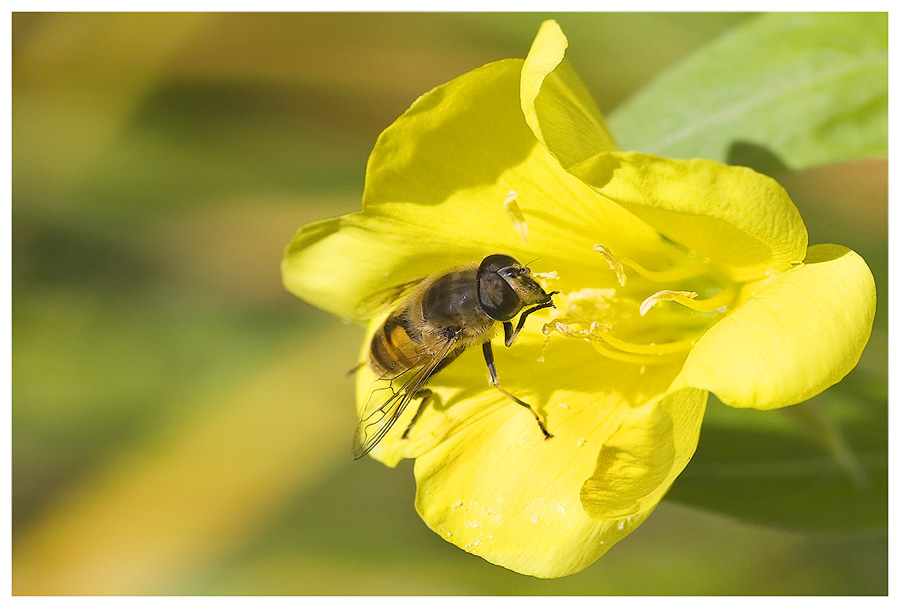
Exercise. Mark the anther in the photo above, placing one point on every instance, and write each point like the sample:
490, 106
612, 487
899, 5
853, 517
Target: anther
614, 264
667, 295
716, 303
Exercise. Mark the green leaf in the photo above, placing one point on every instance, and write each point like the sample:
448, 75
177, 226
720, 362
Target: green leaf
784, 90
820, 465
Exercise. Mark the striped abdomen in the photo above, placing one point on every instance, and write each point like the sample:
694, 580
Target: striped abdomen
443, 308
396, 346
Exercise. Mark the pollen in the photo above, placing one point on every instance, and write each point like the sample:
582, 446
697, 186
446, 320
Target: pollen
545, 278
614, 264
588, 303
717, 303
552, 275
544, 347
613, 318
671, 295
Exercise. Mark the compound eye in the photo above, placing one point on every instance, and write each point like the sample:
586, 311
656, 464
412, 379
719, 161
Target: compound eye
498, 262
496, 295
498, 300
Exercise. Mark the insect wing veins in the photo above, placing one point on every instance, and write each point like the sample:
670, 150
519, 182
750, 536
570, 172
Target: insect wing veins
386, 401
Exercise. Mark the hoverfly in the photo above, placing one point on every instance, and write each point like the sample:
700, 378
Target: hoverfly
442, 316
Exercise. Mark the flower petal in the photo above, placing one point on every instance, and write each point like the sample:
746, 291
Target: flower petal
638, 464
436, 185
741, 220
557, 106
488, 482
328, 263
797, 335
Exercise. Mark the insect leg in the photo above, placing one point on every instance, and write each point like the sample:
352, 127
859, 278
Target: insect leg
426, 394
495, 381
510, 334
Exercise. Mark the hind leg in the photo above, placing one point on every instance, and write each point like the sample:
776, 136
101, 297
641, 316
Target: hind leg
495, 381
424, 394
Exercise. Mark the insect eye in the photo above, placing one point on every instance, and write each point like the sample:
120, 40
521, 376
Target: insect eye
514, 271
497, 297
498, 300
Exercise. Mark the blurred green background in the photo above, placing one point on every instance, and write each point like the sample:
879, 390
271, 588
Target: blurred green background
181, 425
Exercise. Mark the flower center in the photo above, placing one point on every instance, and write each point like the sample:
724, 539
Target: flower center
648, 316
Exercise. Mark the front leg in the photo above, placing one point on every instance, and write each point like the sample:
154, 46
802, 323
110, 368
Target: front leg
510, 334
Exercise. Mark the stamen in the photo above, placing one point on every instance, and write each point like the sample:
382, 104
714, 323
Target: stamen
665, 348
677, 273
717, 302
670, 295
614, 264
598, 336
586, 335
592, 314
518, 218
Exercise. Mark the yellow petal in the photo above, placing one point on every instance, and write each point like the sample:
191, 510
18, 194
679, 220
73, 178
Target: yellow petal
743, 221
557, 106
797, 335
488, 482
437, 185
638, 464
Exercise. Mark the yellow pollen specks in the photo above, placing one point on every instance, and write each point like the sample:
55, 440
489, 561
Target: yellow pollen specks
544, 278
544, 347
518, 218
611, 318
614, 264
587, 303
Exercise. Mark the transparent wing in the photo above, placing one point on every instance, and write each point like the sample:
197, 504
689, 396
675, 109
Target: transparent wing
386, 299
388, 397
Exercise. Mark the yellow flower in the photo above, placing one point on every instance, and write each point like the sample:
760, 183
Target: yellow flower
676, 278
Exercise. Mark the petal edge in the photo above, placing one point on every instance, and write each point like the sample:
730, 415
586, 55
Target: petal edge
557, 105
808, 326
